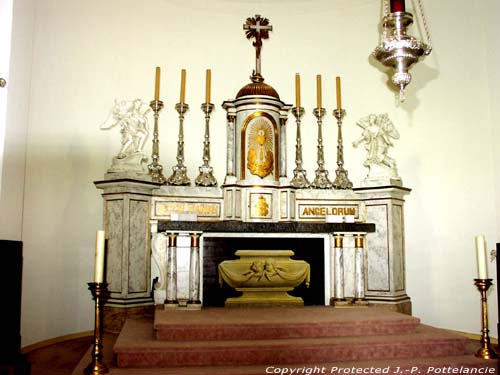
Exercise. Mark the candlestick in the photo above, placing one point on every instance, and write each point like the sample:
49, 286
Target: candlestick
486, 351
179, 176
321, 180
397, 6
299, 179
208, 82
482, 262
99, 256
183, 86
341, 180
100, 293
339, 94
206, 177
157, 83
155, 168
318, 91
297, 90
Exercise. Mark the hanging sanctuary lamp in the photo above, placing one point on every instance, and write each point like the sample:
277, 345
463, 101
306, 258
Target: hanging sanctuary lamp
398, 50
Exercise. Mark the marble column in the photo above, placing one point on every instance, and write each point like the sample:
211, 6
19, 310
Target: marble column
194, 271
171, 292
359, 259
231, 140
283, 147
339, 297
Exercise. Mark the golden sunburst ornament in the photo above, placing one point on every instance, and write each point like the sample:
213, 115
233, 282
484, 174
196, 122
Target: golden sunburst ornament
260, 159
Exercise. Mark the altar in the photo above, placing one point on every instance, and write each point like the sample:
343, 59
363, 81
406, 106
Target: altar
167, 236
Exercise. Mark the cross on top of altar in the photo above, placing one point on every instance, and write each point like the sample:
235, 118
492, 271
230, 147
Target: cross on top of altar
257, 27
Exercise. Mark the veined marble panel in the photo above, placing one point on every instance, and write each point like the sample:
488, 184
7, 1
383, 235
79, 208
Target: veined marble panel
283, 204
139, 258
229, 202
398, 248
378, 250
237, 204
114, 228
349, 267
183, 261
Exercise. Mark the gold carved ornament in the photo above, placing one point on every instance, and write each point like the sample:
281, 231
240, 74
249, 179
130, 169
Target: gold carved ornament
271, 137
260, 160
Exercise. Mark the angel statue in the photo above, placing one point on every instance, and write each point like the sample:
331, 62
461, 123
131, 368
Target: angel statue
376, 136
131, 117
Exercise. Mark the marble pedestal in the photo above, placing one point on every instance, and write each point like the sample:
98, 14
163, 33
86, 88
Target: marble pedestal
128, 260
386, 281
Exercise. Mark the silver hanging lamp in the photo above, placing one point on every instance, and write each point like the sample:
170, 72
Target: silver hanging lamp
397, 49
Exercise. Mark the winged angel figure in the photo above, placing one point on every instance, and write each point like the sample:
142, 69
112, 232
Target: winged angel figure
130, 117
377, 133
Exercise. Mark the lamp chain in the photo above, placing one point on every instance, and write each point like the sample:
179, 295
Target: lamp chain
424, 21
385, 12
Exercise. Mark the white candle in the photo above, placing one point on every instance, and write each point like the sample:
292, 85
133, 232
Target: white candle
99, 257
482, 262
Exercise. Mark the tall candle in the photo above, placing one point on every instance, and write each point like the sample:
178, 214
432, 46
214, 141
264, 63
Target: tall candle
183, 86
318, 91
339, 94
208, 83
297, 90
157, 83
99, 257
397, 6
482, 263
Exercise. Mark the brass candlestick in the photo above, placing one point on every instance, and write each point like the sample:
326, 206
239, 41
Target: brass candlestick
206, 177
179, 177
155, 169
321, 181
100, 293
341, 179
486, 351
299, 179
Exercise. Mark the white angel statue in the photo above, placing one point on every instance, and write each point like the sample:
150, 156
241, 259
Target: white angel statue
377, 133
131, 117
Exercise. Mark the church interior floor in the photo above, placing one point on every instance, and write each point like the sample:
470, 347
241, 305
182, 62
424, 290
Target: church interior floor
138, 335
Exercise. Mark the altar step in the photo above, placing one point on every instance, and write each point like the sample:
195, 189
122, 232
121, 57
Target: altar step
279, 323
465, 364
247, 341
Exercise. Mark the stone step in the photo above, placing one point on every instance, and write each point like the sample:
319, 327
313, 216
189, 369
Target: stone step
464, 364
275, 323
137, 347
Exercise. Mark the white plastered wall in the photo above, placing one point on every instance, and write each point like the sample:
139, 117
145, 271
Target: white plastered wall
14, 130
87, 53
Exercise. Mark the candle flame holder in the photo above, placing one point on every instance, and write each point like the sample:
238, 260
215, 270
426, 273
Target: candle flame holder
486, 351
156, 169
341, 180
101, 294
206, 177
321, 180
299, 179
179, 176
